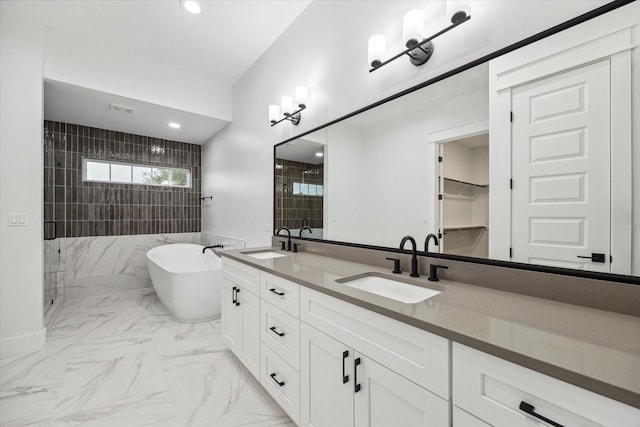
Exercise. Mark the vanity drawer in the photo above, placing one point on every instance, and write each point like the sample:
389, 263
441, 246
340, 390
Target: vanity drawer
492, 389
282, 382
241, 275
417, 355
281, 332
280, 292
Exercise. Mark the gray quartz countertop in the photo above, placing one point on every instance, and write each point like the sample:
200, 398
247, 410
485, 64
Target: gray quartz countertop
593, 349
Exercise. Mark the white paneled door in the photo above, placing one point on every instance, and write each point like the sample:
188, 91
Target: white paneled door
561, 170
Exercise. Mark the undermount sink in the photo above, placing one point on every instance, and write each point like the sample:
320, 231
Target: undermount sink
265, 254
396, 290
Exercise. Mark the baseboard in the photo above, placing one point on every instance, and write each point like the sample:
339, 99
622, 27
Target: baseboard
23, 343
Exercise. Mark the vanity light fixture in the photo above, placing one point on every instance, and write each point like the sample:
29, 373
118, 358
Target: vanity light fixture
191, 6
289, 112
418, 49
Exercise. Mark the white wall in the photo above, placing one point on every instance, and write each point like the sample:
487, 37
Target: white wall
21, 123
75, 62
326, 49
29, 53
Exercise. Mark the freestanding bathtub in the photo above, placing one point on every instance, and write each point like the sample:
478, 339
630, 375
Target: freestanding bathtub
188, 282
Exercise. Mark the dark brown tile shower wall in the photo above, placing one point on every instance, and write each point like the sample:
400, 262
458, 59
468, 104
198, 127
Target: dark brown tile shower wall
292, 209
82, 208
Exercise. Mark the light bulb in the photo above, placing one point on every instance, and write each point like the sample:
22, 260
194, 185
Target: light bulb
191, 6
274, 113
287, 105
376, 50
413, 27
302, 96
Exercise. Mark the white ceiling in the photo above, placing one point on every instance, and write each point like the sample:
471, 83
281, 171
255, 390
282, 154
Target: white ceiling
78, 105
219, 44
301, 150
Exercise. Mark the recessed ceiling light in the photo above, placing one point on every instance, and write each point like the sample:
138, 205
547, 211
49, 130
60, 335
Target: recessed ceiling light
319, 154
191, 6
174, 125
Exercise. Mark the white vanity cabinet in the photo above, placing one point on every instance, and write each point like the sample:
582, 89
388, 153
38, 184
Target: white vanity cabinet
330, 363
359, 368
241, 313
500, 393
343, 388
280, 341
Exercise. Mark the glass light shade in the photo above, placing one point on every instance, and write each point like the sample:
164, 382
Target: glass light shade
191, 6
274, 113
302, 96
457, 10
413, 27
376, 49
287, 105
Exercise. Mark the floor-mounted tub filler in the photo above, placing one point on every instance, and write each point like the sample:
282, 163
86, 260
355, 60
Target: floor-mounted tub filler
188, 280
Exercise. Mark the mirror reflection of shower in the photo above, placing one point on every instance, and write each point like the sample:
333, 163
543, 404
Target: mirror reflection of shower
299, 198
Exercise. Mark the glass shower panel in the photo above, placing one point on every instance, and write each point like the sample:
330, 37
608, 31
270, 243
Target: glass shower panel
51, 246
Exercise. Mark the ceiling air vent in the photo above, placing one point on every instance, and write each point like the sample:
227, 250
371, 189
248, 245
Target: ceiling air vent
123, 108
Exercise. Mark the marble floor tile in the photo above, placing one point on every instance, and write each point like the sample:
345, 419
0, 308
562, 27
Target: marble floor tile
261, 412
87, 326
167, 328
186, 353
113, 302
100, 374
36, 368
151, 303
207, 392
152, 409
27, 406
122, 360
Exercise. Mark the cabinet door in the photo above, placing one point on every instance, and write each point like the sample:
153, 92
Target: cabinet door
231, 317
326, 380
250, 331
464, 419
387, 399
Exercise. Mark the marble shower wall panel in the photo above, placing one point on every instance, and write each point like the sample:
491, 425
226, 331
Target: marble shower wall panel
102, 265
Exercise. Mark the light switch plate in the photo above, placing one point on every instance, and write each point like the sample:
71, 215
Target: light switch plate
17, 219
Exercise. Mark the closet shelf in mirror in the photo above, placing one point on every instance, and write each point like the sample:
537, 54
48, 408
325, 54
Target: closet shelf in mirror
457, 181
465, 228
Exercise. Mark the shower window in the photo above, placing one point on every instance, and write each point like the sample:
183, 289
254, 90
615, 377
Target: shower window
129, 173
303, 189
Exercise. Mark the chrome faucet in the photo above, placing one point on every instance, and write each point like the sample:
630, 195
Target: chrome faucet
414, 259
306, 227
428, 239
288, 238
